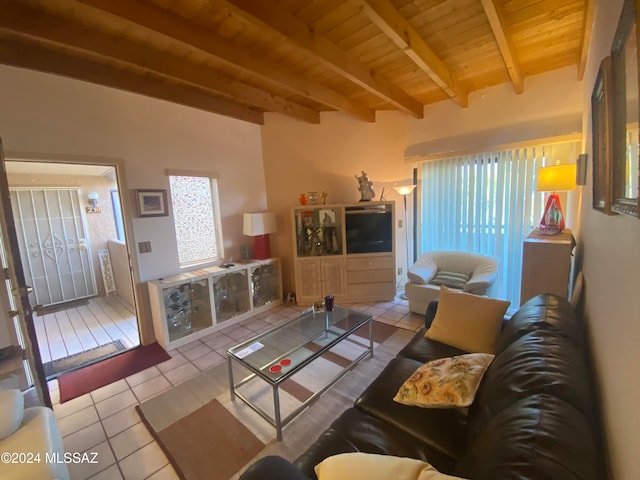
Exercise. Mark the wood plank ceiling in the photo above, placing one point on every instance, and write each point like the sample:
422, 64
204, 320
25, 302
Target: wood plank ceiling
242, 58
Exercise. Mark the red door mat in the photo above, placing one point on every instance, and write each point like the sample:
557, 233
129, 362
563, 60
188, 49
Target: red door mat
86, 379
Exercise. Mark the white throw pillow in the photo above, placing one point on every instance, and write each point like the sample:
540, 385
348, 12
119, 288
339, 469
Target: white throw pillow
369, 466
11, 412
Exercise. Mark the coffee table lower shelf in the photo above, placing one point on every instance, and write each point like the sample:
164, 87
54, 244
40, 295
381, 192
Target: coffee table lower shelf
276, 420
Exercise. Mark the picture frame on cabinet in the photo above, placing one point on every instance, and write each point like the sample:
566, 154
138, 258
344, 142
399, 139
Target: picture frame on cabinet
152, 203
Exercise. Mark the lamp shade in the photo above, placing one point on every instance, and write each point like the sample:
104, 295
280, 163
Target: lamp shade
556, 178
404, 189
255, 224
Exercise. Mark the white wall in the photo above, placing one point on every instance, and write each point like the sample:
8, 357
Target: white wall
50, 115
300, 157
608, 250
550, 101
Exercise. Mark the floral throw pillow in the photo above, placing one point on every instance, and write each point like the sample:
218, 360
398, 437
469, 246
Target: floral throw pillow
445, 382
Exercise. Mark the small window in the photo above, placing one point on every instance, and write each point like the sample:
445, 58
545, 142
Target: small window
196, 216
117, 214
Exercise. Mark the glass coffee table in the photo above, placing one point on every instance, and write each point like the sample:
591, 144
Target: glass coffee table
279, 353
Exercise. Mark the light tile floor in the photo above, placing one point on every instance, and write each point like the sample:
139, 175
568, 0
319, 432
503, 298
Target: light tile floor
105, 421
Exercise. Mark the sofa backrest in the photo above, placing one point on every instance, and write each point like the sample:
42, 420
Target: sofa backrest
536, 406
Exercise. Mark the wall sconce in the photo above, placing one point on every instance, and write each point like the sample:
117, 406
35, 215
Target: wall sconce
93, 207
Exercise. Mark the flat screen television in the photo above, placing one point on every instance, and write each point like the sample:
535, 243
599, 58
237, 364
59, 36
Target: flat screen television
368, 230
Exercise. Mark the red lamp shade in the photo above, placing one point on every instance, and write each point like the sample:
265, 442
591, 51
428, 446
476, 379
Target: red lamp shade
259, 226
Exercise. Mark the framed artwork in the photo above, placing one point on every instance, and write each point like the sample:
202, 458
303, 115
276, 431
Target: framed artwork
602, 137
152, 203
626, 163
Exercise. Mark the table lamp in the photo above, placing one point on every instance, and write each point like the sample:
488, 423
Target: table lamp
556, 178
259, 226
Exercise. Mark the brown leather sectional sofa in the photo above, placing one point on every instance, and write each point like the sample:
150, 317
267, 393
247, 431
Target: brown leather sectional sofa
536, 415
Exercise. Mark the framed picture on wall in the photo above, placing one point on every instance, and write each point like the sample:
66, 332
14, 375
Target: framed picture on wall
152, 203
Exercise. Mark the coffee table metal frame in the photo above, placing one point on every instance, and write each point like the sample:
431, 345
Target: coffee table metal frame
326, 326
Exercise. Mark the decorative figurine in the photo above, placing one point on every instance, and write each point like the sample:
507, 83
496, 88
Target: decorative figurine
366, 187
303, 199
324, 198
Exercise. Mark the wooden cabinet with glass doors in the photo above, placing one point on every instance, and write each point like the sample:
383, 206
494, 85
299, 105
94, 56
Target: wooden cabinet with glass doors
191, 305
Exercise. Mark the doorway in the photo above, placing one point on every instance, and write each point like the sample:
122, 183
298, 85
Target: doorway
74, 253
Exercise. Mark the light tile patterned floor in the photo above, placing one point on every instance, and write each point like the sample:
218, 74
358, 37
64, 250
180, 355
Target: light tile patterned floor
105, 420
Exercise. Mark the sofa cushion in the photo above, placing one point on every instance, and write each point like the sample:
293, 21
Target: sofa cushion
466, 321
357, 431
423, 350
441, 429
538, 437
369, 466
11, 411
539, 362
445, 382
543, 312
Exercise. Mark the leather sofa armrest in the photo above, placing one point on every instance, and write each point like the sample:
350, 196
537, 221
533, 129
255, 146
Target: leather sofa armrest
430, 314
273, 468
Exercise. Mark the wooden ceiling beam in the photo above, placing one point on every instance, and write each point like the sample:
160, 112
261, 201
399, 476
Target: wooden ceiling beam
36, 24
400, 31
505, 43
587, 30
292, 30
194, 36
34, 57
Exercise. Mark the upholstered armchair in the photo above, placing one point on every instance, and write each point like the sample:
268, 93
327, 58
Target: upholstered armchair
469, 272
33, 432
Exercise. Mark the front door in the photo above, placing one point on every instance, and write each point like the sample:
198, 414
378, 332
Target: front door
18, 291
53, 242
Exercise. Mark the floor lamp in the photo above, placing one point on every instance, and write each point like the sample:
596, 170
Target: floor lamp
405, 190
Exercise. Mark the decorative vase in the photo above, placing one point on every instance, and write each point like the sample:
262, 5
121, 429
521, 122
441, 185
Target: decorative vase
303, 199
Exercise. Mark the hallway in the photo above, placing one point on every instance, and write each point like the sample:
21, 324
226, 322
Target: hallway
82, 327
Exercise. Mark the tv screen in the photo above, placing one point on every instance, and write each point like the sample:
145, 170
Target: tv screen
369, 231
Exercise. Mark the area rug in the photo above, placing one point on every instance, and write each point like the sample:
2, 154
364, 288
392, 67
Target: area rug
84, 380
167, 412
210, 432
54, 368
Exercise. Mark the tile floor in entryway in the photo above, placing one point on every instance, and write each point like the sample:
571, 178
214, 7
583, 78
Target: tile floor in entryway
105, 420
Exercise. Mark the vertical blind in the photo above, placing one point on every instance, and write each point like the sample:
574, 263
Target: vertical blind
484, 203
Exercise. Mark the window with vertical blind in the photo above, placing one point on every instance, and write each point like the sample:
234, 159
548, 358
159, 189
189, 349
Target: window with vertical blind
486, 203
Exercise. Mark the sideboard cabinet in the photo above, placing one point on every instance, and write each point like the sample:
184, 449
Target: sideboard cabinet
193, 304
546, 264
344, 250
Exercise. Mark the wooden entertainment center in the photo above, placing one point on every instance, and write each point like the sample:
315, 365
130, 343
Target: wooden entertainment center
345, 250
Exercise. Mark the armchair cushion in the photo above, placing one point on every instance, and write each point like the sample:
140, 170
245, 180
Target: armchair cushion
451, 279
11, 412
